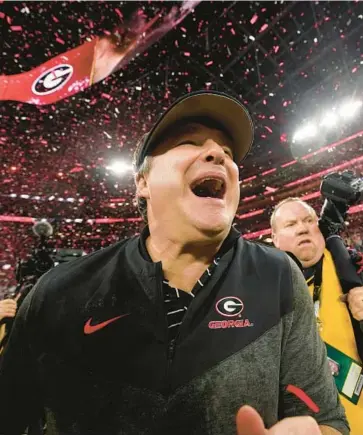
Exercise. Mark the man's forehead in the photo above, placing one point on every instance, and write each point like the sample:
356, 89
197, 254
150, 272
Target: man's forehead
293, 209
191, 127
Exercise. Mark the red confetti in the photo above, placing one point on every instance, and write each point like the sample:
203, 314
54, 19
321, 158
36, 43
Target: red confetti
107, 96
79, 128
76, 169
16, 28
254, 19
119, 13
60, 40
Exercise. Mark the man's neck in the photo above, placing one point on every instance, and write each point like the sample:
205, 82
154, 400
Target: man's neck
183, 263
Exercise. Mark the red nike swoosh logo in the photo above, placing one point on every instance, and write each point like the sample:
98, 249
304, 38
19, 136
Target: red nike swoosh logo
90, 329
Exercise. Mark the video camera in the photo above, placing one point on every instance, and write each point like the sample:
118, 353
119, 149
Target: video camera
40, 260
341, 191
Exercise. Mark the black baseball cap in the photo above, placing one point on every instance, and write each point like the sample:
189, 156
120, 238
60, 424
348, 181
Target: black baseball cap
225, 110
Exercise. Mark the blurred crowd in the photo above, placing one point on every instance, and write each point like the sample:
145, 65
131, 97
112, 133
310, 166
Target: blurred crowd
355, 241
19, 240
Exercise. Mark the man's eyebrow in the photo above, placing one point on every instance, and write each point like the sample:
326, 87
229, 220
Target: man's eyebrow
187, 129
290, 221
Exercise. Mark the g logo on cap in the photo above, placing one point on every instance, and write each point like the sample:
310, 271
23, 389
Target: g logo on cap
52, 79
231, 306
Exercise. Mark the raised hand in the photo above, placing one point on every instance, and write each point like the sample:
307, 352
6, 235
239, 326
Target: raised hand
8, 308
249, 422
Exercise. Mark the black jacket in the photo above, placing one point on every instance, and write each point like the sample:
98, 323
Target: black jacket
247, 336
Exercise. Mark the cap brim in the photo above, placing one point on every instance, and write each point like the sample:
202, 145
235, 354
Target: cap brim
225, 110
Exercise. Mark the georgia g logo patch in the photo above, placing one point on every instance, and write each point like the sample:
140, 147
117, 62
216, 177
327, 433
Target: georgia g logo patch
52, 80
230, 306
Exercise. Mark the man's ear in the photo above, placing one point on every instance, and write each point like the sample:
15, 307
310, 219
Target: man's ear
142, 189
274, 240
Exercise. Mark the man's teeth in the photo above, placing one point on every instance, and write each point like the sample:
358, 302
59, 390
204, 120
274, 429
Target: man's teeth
218, 184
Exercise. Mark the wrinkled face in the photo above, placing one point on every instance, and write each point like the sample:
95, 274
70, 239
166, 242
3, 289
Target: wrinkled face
296, 230
193, 184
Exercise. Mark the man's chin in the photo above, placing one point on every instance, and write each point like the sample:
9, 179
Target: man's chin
307, 261
211, 226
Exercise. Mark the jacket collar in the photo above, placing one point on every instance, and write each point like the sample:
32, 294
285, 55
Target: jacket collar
228, 243
131, 271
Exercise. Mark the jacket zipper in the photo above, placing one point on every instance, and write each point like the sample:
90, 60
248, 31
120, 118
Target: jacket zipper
170, 349
171, 352
170, 357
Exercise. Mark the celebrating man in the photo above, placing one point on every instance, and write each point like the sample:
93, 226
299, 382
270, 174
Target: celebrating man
174, 331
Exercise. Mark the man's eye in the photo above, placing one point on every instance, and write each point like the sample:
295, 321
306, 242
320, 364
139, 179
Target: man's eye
187, 142
228, 152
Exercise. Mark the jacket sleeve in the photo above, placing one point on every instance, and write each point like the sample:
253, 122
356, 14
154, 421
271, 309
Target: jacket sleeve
305, 372
20, 397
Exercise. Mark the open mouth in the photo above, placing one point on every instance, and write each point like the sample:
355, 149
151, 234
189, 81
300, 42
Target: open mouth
209, 187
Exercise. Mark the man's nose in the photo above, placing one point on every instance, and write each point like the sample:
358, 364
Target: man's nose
302, 228
214, 152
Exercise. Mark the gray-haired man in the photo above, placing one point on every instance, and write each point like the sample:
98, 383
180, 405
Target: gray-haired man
174, 331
